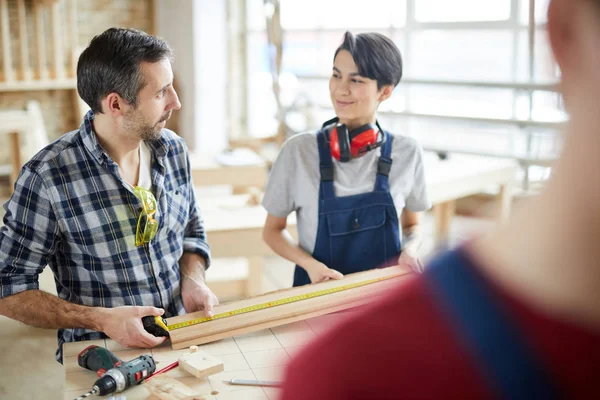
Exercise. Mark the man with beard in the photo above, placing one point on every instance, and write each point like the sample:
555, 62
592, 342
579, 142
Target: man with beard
109, 207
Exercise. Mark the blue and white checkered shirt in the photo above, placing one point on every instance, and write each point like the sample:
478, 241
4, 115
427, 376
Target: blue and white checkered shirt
72, 211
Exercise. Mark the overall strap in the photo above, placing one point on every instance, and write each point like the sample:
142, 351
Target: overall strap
326, 167
384, 164
491, 336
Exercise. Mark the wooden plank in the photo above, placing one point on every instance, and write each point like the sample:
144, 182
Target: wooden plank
57, 42
38, 16
274, 323
23, 45
9, 74
282, 314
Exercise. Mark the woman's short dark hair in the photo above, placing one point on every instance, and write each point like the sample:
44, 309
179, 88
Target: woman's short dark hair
112, 64
376, 56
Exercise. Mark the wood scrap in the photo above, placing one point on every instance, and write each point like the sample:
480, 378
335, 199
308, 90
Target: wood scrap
282, 314
200, 363
164, 387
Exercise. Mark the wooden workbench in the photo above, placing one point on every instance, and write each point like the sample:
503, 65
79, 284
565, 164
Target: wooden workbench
259, 355
462, 176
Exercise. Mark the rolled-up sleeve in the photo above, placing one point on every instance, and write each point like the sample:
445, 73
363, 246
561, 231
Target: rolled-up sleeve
29, 235
194, 240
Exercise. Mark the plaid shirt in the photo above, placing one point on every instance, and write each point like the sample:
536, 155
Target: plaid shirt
72, 211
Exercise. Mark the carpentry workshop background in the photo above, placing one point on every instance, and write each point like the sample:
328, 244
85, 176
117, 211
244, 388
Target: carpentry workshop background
478, 94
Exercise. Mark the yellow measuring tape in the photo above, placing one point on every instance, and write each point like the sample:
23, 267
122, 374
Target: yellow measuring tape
273, 303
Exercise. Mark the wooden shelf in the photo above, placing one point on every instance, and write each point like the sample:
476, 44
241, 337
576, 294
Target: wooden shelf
33, 85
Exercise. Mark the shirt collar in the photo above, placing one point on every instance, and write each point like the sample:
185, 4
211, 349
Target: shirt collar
160, 147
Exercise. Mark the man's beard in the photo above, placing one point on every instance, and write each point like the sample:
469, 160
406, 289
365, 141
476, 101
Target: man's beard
136, 124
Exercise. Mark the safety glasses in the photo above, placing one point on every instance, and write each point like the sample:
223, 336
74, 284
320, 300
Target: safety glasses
147, 225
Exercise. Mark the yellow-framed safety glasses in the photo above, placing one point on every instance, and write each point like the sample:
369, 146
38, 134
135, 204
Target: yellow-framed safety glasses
147, 225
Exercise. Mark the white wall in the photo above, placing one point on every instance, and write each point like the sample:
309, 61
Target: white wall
196, 30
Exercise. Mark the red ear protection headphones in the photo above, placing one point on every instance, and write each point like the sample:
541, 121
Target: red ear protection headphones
346, 145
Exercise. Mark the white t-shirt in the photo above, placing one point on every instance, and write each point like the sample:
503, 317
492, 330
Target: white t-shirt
145, 169
295, 178
145, 176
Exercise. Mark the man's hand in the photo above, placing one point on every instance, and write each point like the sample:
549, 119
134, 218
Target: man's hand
194, 292
319, 272
407, 259
197, 296
124, 325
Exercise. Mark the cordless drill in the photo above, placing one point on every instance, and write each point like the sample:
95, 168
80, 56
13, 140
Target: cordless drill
115, 375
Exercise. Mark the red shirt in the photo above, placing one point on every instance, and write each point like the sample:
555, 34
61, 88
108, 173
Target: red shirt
405, 348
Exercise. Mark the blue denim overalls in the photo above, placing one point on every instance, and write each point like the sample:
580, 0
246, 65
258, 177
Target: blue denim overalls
355, 233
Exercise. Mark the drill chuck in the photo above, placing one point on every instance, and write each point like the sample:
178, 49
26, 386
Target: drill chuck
112, 381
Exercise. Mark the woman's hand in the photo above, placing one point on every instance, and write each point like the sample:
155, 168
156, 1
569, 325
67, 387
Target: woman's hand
407, 259
319, 272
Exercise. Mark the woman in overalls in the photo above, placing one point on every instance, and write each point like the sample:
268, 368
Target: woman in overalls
355, 187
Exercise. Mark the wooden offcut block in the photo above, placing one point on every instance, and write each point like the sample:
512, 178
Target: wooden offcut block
200, 363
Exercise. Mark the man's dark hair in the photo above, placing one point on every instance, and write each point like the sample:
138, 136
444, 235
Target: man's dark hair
111, 64
376, 56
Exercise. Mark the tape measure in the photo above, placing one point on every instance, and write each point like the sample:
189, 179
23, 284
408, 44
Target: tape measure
276, 303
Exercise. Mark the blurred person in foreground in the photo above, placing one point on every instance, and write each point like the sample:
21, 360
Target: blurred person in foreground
514, 314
